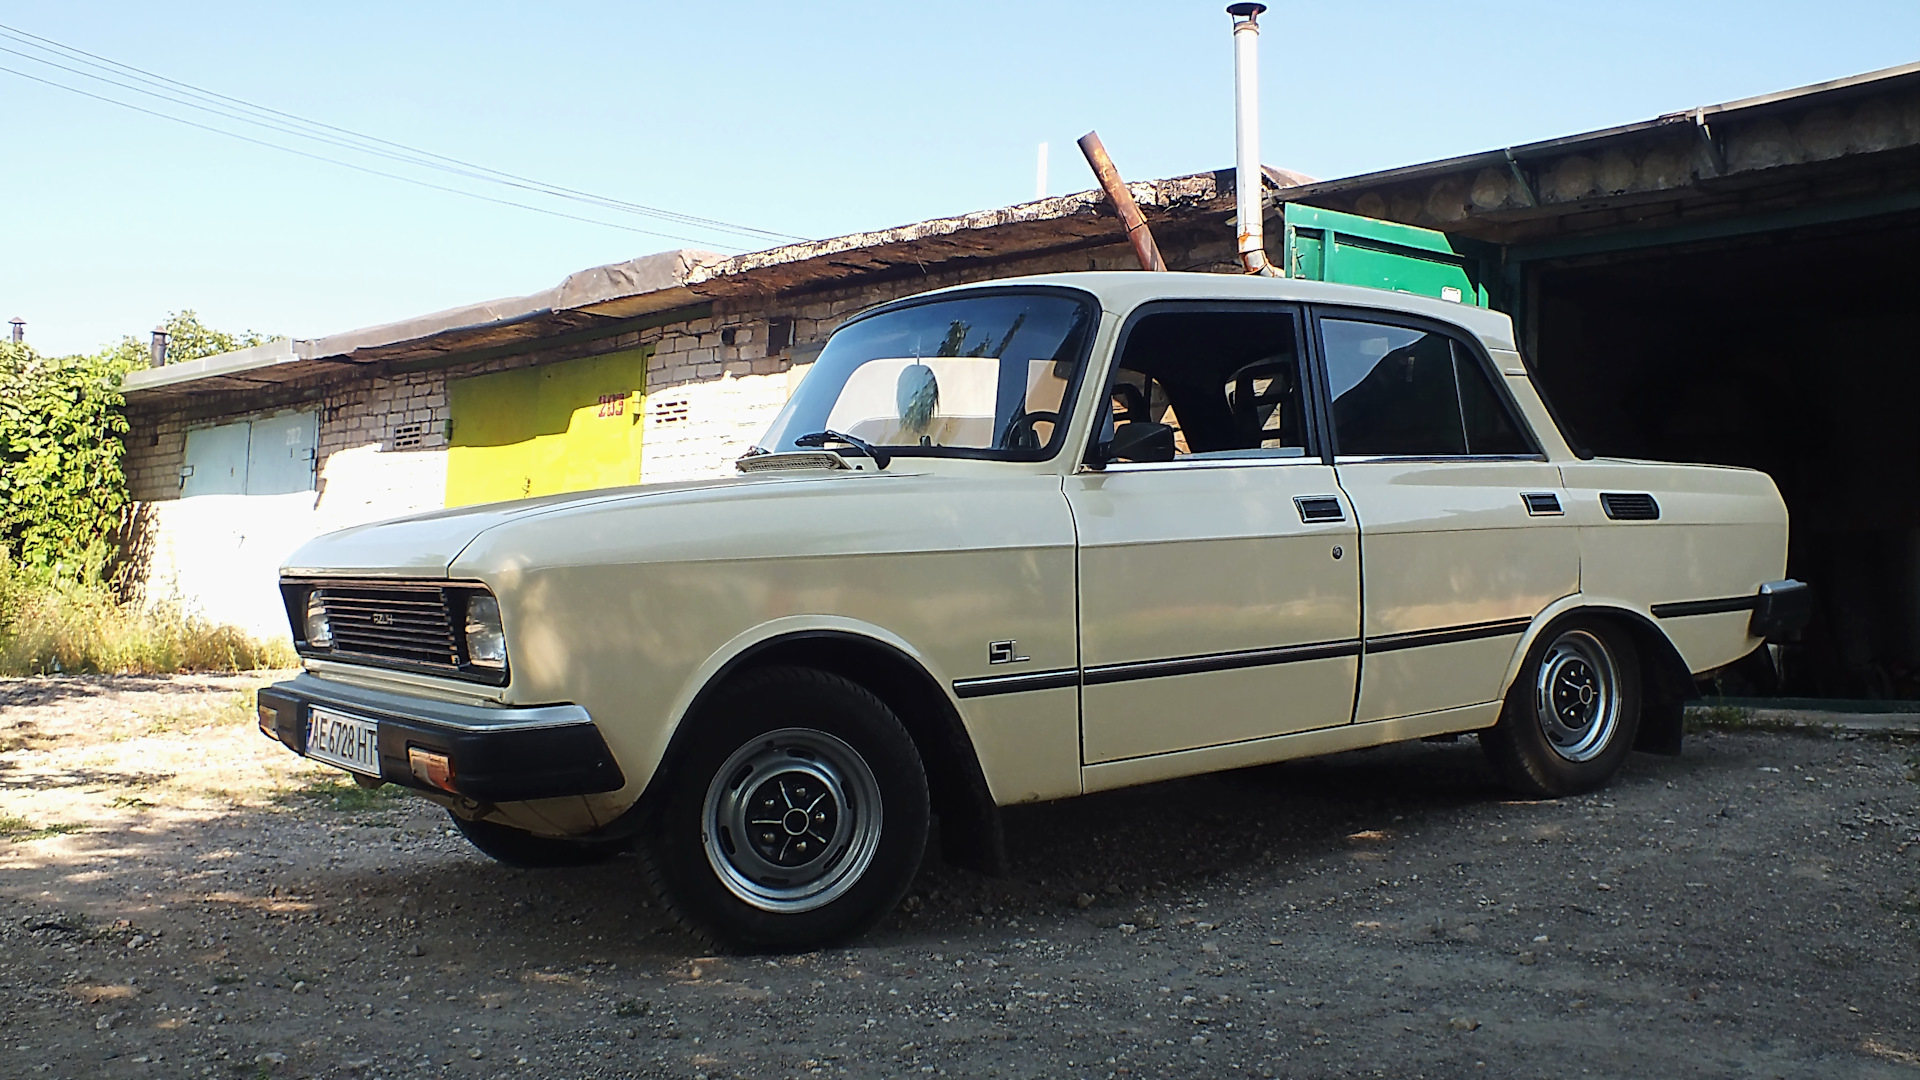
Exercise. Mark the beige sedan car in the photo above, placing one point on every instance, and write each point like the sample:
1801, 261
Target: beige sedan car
1023, 541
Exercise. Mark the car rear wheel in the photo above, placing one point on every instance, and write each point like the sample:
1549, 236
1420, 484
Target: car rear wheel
795, 814
1570, 719
517, 847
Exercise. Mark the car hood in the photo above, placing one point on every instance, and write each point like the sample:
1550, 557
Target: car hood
426, 545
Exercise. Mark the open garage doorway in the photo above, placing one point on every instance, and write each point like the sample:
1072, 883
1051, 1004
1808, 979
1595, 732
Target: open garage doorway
1795, 353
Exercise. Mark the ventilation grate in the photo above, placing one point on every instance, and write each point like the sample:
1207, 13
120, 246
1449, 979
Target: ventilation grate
791, 461
676, 411
1630, 506
409, 436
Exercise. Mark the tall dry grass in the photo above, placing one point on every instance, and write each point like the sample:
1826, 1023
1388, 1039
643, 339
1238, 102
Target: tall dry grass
50, 626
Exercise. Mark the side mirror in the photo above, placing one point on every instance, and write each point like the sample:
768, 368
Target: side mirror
1139, 441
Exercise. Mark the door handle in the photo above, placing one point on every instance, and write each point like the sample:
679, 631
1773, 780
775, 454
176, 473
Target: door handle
1318, 508
1541, 503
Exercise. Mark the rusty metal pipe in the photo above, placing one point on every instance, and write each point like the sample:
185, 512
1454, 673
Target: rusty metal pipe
1138, 234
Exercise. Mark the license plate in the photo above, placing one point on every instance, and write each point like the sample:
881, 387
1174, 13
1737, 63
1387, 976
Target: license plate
346, 741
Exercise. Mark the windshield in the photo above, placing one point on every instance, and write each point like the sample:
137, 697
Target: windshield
984, 376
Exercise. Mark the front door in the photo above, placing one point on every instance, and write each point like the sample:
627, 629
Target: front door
1463, 538
1219, 591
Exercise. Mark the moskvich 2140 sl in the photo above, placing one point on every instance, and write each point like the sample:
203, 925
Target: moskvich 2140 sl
1024, 541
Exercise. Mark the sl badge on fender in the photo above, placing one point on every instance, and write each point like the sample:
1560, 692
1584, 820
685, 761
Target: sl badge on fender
1004, 652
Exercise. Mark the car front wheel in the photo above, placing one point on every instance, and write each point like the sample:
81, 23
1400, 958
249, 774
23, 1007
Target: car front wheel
1570, 719
794, 815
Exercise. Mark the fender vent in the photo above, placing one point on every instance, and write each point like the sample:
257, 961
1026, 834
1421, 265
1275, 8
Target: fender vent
1629, 507
1541, 503
1319, 508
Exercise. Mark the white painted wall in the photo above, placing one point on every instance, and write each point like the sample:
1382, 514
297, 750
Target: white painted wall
218, 556
696, 430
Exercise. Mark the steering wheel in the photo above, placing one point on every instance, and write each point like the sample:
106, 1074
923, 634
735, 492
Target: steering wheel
1020, 434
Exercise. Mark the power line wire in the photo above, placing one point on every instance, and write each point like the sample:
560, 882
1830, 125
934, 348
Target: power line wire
153, 79
347, 164
230, 108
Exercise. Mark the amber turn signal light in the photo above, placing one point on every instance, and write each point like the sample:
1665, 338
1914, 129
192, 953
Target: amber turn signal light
431, 768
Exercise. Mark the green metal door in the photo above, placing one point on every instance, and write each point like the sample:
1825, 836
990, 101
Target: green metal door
1326, 245
216, 461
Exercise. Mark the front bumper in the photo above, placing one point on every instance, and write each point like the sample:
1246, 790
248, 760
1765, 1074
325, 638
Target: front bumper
498, 754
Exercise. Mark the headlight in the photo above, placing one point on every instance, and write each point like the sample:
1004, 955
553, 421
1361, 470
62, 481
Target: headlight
486, 642
319, 633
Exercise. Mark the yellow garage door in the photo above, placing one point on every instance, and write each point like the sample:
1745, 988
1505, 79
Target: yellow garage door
571, 426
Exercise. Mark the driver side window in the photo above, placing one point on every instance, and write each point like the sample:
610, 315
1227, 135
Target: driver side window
1227, 383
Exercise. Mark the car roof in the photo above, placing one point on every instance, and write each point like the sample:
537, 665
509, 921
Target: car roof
1121, 291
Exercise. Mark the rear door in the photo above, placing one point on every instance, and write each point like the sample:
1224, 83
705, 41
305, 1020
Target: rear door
1462, 533
1219, 595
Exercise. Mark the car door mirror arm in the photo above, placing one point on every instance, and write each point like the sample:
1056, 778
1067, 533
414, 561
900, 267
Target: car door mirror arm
1141, 440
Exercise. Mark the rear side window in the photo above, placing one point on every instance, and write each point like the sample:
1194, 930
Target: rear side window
1402, 392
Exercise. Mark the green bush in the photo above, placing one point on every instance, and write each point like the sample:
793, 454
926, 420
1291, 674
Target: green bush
63, 498
52, 625
62, 492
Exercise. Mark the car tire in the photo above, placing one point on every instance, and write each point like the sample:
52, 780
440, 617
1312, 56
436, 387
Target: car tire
794, 814
517, 847
1571, 716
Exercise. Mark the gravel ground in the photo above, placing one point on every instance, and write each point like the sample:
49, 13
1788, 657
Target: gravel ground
180, 897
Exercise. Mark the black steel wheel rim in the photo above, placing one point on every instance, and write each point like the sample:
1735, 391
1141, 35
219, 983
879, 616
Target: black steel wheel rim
1577, 695
792, 820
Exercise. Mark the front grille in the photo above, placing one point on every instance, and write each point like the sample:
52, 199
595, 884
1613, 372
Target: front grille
397, 624
408, 625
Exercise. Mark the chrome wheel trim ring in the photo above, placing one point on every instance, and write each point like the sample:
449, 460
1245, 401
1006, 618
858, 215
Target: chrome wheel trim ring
1577, 695
791, 820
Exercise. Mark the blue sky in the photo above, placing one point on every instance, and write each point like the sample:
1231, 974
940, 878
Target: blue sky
813, 119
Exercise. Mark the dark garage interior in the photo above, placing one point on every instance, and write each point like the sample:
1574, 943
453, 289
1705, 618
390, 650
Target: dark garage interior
1727, 284
1792, 352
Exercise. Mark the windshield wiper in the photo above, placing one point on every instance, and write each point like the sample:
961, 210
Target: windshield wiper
821, 438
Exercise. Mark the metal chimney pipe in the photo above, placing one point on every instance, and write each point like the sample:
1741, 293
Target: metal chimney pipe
19, 329
158, 349
1138, 234
1248, 178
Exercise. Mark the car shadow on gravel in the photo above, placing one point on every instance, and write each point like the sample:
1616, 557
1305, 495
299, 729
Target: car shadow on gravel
1105, 857
402, 878
1115, 851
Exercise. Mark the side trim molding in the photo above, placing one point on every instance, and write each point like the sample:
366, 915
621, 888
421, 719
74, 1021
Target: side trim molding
1683, 608
1194, 665
1132, 670
1014, 684
1448, 635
